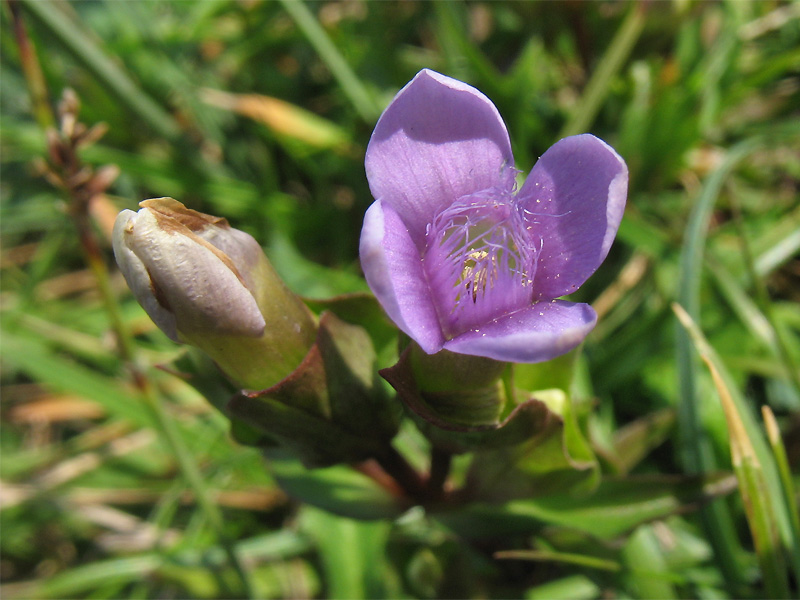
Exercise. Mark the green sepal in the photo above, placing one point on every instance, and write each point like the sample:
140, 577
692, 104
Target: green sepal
333, 408
559, 461
360, 308
431, 410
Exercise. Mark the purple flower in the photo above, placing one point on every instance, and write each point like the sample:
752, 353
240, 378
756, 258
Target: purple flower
461, 260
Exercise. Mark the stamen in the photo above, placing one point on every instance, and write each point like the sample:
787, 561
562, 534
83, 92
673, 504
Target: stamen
480, 260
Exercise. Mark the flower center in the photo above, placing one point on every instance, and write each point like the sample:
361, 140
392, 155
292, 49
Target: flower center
479, 261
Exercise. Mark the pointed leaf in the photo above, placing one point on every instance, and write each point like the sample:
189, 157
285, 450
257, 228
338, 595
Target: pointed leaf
617, 506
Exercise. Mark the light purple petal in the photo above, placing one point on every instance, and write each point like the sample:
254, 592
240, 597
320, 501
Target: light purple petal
439, 139
393, 269
540, 332
573, 202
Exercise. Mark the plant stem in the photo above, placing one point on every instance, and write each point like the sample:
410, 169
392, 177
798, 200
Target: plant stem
441, 461
31, 69
403, 473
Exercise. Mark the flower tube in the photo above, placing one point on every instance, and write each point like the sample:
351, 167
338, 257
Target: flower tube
457, 256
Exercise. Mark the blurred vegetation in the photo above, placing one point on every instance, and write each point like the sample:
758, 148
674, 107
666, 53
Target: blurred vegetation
261, 111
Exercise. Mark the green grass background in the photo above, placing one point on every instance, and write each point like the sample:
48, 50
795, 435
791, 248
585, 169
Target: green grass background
702, 99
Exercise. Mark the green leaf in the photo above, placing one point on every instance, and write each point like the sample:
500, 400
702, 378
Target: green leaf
332, 408
352, 553
648, 574
340, 490
547, 461
574, 587
617, 506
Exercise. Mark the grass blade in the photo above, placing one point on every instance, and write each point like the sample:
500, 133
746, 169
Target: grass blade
591, 562
283, 118
358, 95
596, 90
761, 515
69, 33
698, 454
360, 571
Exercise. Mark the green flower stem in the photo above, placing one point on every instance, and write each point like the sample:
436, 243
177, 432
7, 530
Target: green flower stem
441, 461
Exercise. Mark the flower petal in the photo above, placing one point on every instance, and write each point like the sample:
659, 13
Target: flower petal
188, 278
137, 275
573, 202
438, 140
540, 332
393, 269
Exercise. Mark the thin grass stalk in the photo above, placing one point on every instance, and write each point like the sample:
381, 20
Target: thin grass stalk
698, 455
752, 486
356, 92
31, 69
113, 78
582, 560
596, 90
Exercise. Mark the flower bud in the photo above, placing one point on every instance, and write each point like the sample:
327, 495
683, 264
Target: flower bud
209, 285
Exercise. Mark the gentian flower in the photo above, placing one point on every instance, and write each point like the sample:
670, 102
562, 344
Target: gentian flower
457, 256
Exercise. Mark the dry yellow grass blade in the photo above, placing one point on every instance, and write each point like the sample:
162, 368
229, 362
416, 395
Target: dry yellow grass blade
749, 472
285, 119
